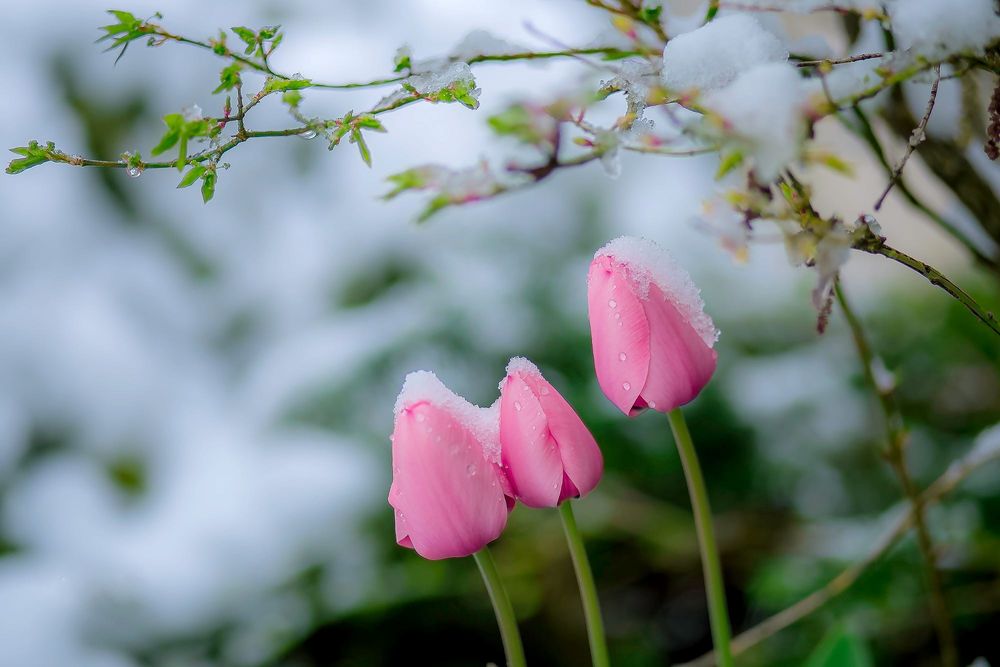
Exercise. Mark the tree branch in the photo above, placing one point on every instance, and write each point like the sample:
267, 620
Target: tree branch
957, 472
895, 454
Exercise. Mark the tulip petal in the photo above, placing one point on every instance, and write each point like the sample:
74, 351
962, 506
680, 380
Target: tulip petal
448, 496
527, 448
619, 332
680, 364
580, 455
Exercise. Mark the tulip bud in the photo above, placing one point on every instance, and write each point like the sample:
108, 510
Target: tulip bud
450, 495
652, 339
547, 452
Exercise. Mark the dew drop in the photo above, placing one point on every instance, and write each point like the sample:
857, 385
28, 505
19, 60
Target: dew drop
612, 303
622, 356
626, 386
134, 171
517, 406
618, 316
543, 390
308, 134
420, 416
651, 404
470, 470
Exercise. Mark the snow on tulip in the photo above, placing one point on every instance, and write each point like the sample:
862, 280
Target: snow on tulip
448, 491
547, 451
651, 337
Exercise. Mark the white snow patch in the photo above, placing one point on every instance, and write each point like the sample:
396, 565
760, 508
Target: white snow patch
648, 263
482, 423
522, 365
483, 43
765, 107
715, 54
937, 29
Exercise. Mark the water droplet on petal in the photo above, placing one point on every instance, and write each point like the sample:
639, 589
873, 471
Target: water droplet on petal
618, 316
134, 171
420, 416
543, 390
470, 470
622, 356
517, 406
308, 134
626, 386
612, 303
651, 404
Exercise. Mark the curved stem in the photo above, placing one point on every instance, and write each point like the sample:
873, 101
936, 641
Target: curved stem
895, 453
588, 591
509, 633
935, 277
714, 586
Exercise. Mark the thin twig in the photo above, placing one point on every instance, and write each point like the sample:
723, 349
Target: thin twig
895, 453
865, 130
915, 139
877, 246
957, 472
838, 61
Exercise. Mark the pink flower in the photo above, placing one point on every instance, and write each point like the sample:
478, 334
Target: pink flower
450, 495
548, 453
652, 339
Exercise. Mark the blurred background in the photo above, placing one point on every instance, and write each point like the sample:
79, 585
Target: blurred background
195, 400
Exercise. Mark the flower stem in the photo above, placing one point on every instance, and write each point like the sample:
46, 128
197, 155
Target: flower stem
501, 605
714, 587
588, 591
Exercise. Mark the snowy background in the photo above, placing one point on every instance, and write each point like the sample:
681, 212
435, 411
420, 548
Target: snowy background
195, 400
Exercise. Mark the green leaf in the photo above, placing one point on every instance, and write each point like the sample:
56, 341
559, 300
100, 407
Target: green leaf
34, 155
194, 173
208, 186
651, 15
729, 162
292, 98
370, 122
174, 123
366, 153
402, 60
229, 77
410, 179
433, 206
248, 36
840, 648
275, 84
268, 32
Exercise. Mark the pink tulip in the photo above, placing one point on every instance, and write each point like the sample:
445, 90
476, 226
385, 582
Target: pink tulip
652, 339
450, 495
548, 453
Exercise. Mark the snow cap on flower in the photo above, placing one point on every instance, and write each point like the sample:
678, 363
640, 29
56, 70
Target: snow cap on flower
651, 336
450, 496
548, 453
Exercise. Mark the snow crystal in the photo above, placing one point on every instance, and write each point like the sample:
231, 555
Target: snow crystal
937, 29
648, 263
714, 55
522, 365
482, 43
764, 107
432, 82
635, 76
809, 6
483, 423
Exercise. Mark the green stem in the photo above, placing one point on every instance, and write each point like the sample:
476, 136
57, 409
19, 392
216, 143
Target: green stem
711, 566
588, 591
501, 605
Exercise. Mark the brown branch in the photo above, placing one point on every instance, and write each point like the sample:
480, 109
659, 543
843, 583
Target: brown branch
916, 138
895, 454
945, 484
